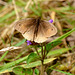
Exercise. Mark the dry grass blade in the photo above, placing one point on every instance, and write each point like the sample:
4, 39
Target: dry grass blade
26, 7
15, 8
14, 51
2, 2
61, 32
9, 49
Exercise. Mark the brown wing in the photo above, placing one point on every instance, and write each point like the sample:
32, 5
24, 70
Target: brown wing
48, 28
24, 24
29, 34
45, 30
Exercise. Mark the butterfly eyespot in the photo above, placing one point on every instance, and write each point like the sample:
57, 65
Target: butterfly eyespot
51, 29
19, 24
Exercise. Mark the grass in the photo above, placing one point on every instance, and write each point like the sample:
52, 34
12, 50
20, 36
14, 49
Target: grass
64, 13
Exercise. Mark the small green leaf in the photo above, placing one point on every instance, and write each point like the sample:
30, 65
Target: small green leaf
32, 57
19, 71
36, 71
28, 71
22, 71
52, 45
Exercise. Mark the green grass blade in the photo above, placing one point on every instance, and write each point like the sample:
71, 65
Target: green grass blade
20, 43
11, 64
35, 11
58, 51
34, 64
37, 63
3, 55
7, 16
64, 36
62, 71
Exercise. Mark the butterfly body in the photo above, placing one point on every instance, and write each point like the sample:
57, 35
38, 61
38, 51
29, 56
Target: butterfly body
35, 29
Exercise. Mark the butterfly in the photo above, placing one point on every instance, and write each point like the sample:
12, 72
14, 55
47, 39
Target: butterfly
35, 29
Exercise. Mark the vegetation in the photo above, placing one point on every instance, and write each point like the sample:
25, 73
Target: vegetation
19, 58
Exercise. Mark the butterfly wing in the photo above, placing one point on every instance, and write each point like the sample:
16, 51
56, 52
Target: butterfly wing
45, 30
23, 25
29, 34
48, 28
26, 27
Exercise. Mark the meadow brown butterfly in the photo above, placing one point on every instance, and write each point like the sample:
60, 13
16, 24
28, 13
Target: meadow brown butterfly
35, 29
